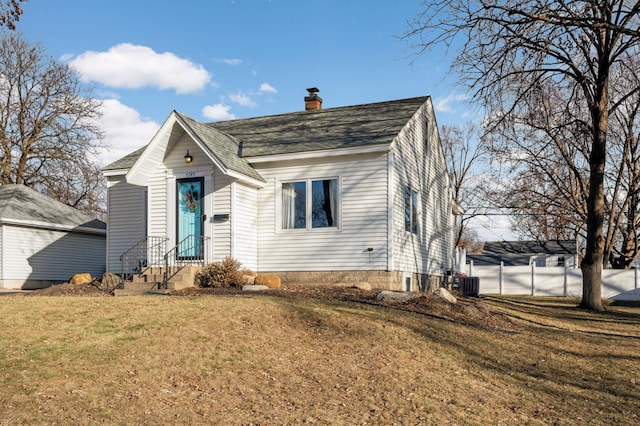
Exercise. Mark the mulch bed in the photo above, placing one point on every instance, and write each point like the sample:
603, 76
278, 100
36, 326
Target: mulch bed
468, 311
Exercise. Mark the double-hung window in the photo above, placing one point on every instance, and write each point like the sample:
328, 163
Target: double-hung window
411, 218
310, 204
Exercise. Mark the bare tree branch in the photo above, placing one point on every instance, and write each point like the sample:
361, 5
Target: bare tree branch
48, 126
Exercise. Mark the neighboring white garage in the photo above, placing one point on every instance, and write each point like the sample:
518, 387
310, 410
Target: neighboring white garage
44, 242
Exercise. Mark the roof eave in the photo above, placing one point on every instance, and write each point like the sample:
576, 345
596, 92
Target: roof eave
54, 226
115, 172
133, 175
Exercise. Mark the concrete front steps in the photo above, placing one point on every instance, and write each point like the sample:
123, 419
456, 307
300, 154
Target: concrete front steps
150, 281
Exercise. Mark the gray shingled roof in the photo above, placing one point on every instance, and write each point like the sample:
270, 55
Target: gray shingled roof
23, 203
127, 161
331, 128
304, 131
520, 252
222, 145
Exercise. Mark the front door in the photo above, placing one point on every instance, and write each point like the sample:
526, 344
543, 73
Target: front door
189, 218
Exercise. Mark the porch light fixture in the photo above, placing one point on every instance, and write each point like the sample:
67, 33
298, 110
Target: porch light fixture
188, 158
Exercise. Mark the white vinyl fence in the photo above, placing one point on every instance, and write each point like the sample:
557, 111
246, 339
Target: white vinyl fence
617, 284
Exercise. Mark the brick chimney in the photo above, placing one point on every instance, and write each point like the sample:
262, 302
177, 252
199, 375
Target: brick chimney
312, 101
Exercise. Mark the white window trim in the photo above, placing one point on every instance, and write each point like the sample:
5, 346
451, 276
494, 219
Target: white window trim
308, 203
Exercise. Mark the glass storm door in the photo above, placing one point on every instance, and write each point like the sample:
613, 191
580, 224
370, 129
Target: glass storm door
189, 218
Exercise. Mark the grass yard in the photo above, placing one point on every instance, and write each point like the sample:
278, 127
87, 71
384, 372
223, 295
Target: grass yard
259, 359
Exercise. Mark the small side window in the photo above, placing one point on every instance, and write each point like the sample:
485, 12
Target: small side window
411, 219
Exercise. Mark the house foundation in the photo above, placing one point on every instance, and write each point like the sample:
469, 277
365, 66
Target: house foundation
380, 280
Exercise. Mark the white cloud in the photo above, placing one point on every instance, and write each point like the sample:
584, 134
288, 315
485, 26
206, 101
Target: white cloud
242, 99
125, 131
131, 67
231, 61
217, 112
267, 88
445, 104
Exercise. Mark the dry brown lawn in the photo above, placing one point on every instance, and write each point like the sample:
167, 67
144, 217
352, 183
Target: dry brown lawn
314, 357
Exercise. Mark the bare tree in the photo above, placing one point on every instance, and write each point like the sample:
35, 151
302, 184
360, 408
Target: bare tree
464, 151
10, 11
548, 150
510, 48
48, 127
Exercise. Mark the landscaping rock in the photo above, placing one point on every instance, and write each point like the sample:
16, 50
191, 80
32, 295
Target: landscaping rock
444, 294
396, 296
84, 278
270, 280
472, 311
253, 287
109, 281
483, 308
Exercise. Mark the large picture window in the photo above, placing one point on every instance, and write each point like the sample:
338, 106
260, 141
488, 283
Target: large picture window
310, 203
411, 219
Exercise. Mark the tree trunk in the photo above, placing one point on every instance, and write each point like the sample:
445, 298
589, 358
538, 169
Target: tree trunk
594, 253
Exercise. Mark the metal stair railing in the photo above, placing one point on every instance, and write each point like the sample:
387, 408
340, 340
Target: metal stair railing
145, 253
189, 251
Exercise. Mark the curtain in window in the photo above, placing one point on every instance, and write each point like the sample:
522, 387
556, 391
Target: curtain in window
288, 206
294, 202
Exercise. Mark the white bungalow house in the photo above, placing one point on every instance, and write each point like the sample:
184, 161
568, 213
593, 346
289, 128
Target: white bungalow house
337, 195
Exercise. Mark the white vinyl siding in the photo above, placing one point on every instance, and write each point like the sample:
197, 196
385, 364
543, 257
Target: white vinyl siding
418, 162
158, 214
126, 219
221, 206
245, 225
50, 255
362, 190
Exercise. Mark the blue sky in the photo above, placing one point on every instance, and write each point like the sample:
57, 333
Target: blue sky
222, 59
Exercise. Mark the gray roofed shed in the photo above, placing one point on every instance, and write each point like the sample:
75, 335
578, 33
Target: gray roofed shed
44, 241
514, 253
19, 202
